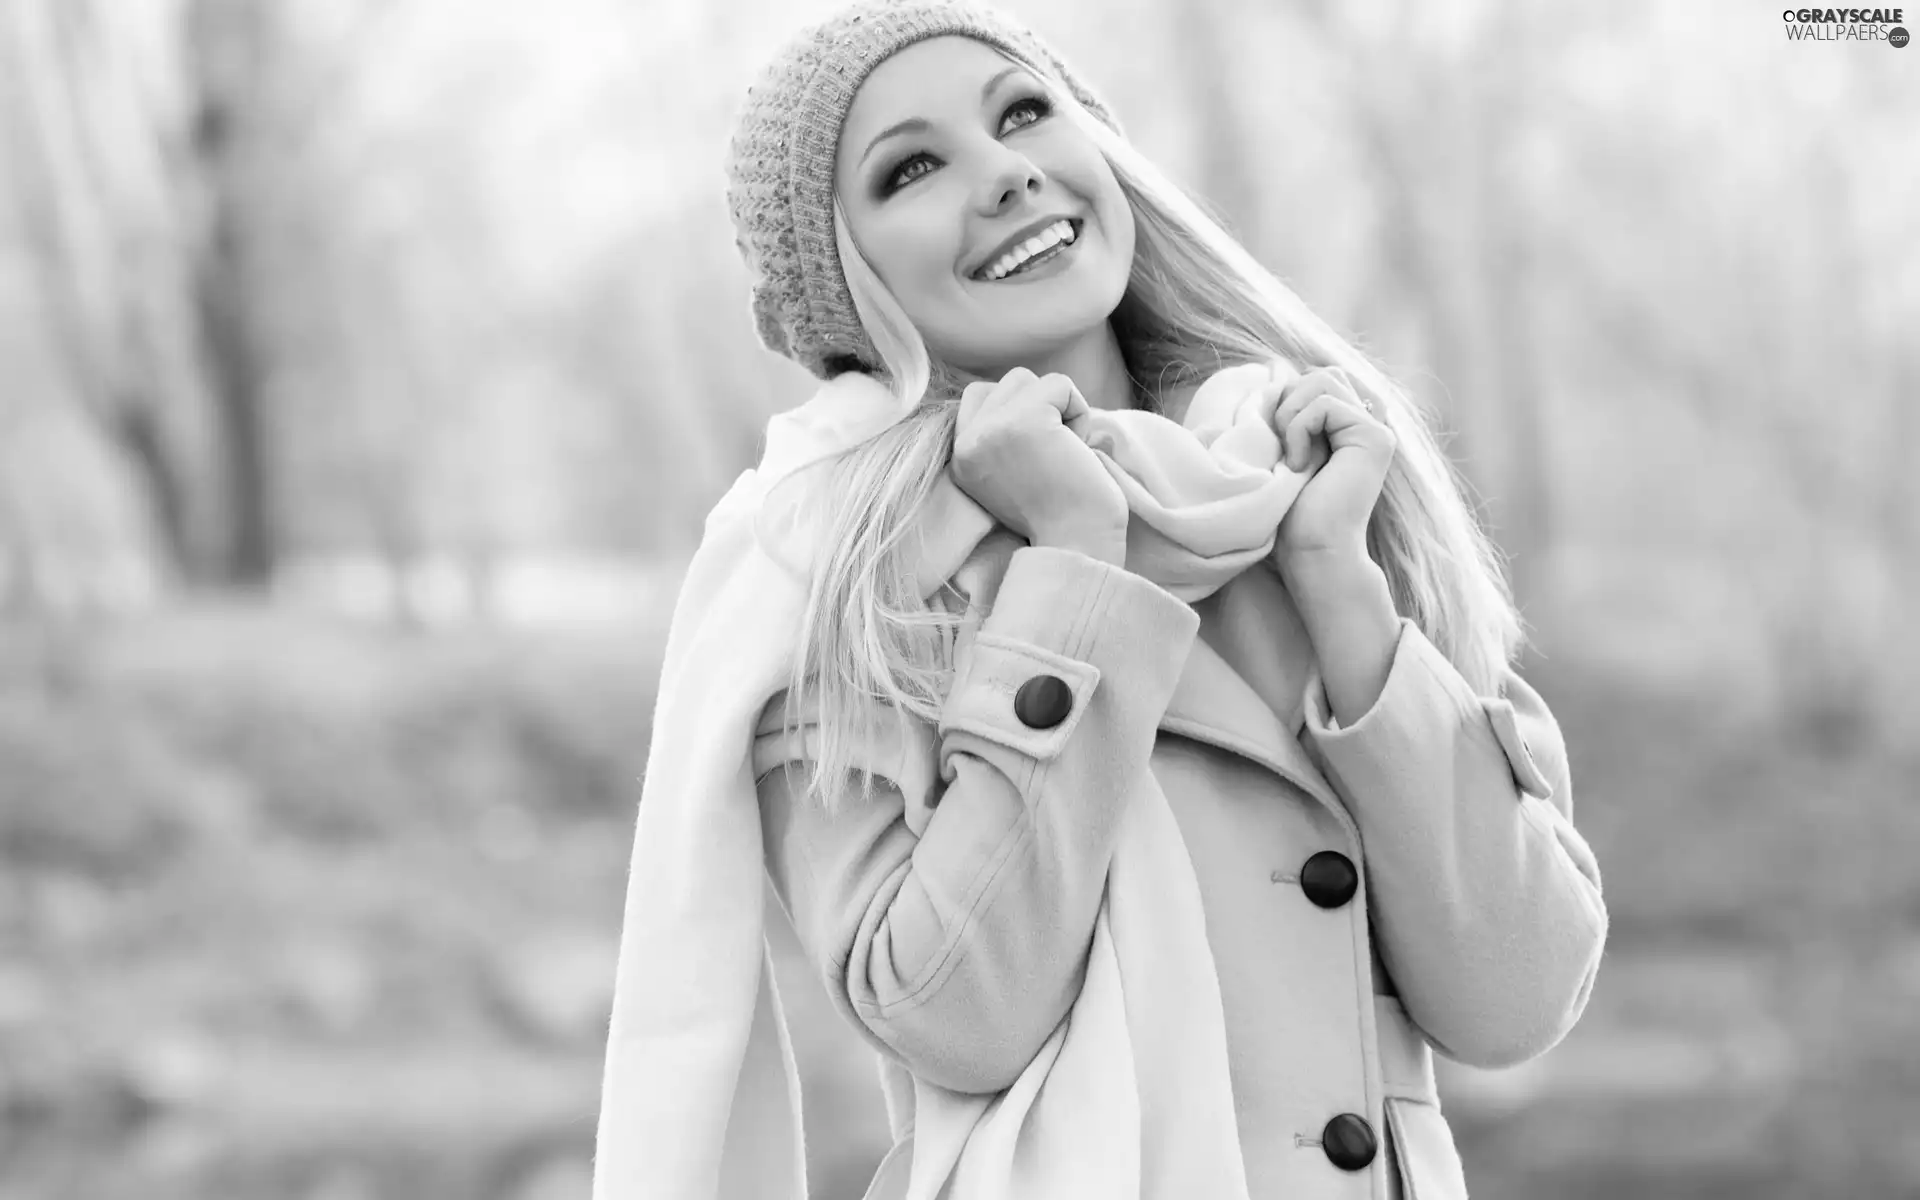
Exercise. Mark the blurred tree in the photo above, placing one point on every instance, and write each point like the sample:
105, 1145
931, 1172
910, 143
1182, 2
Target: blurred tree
131, 143
91, 131
1504, 107
230, 46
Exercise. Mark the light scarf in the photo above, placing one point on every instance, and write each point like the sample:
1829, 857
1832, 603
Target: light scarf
700, 1097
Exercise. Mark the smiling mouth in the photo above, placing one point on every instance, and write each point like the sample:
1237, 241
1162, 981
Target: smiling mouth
1047, 244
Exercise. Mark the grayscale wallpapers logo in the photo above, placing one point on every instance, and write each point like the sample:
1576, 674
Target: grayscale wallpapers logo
1846, 25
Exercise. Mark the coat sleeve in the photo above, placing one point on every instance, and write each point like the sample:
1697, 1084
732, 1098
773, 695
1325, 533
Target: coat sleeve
1485, 900
959, 950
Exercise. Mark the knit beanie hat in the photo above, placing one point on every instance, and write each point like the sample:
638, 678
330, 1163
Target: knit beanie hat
780, 165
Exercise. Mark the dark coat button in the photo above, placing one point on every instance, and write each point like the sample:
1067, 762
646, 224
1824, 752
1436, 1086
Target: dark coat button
1329, 879
1349, 1142
1043, 702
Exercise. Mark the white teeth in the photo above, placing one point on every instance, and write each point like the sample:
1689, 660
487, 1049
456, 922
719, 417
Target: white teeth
1060, 231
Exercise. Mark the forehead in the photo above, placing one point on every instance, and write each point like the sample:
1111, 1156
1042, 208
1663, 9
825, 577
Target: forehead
927, 79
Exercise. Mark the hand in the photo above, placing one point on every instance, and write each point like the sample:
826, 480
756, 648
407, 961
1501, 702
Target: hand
1324, 419
1014, 455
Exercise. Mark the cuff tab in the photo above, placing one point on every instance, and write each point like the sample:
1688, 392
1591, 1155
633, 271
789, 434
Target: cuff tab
984, 694
1506, 727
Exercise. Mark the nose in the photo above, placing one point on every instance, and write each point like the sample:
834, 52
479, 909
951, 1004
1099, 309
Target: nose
1011, 180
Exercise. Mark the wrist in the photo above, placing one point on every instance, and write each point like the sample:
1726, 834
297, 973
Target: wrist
1351, 622
1339, 590
1328, 568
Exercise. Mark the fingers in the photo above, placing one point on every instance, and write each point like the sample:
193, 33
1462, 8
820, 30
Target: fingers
971, 398
1073, 405
1325, 414
1022, 395
1014, 380
1324, 402
1055, 390
966, 426
1298, 392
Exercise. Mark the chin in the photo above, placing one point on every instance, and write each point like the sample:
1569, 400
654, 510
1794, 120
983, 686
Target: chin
1050, 321
1016, 345
1033, 329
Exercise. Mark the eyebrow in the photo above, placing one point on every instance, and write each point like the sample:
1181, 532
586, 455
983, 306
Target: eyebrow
919, 125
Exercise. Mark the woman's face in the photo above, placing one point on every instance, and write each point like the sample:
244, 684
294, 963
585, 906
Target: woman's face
956, 176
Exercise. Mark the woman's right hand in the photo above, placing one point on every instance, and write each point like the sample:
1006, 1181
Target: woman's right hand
1014, 455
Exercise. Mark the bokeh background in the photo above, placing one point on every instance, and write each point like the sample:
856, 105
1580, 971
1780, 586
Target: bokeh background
368, 366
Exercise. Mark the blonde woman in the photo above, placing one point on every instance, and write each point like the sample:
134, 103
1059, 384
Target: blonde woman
1136, 749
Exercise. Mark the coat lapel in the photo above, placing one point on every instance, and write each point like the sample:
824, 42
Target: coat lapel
1213, 704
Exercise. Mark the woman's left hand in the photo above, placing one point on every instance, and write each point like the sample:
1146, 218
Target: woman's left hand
1324, 408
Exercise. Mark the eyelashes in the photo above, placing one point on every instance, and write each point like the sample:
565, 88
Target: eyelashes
898, 176
1039, 106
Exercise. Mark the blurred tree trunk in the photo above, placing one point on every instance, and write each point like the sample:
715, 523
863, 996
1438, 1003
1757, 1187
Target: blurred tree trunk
1899, 515
149, 310
229, 40
88, 186
1412, 263
1516, 405
1444, 140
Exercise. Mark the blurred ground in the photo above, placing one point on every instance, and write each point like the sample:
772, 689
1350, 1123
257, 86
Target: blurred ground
297, 908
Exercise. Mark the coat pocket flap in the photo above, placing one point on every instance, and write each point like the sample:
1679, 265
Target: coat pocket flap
1526, 772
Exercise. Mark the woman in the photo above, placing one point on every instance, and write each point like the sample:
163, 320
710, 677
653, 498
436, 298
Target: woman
1135, 746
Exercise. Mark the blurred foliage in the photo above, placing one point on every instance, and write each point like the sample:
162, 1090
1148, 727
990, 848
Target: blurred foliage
335, 734
323, 901
243, 852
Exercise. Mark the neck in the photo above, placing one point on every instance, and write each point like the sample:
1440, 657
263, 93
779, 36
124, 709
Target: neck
1096, 367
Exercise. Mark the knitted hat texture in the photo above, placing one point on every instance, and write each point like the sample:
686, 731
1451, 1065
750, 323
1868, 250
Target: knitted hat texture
780, 165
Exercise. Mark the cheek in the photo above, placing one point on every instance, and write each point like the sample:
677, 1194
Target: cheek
1112, 204
915, 248
1087, 175
1120, 233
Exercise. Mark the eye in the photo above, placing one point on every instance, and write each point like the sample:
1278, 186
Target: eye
1038, 106
903, 174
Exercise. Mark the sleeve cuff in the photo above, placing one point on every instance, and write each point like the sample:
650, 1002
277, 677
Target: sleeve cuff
1420, 682
1062, 614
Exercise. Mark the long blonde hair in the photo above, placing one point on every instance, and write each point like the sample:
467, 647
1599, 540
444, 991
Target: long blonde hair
1196, 302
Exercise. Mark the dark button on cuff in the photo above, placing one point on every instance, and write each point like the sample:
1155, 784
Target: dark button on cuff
1329, 879
1349, 1142
1043, 702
